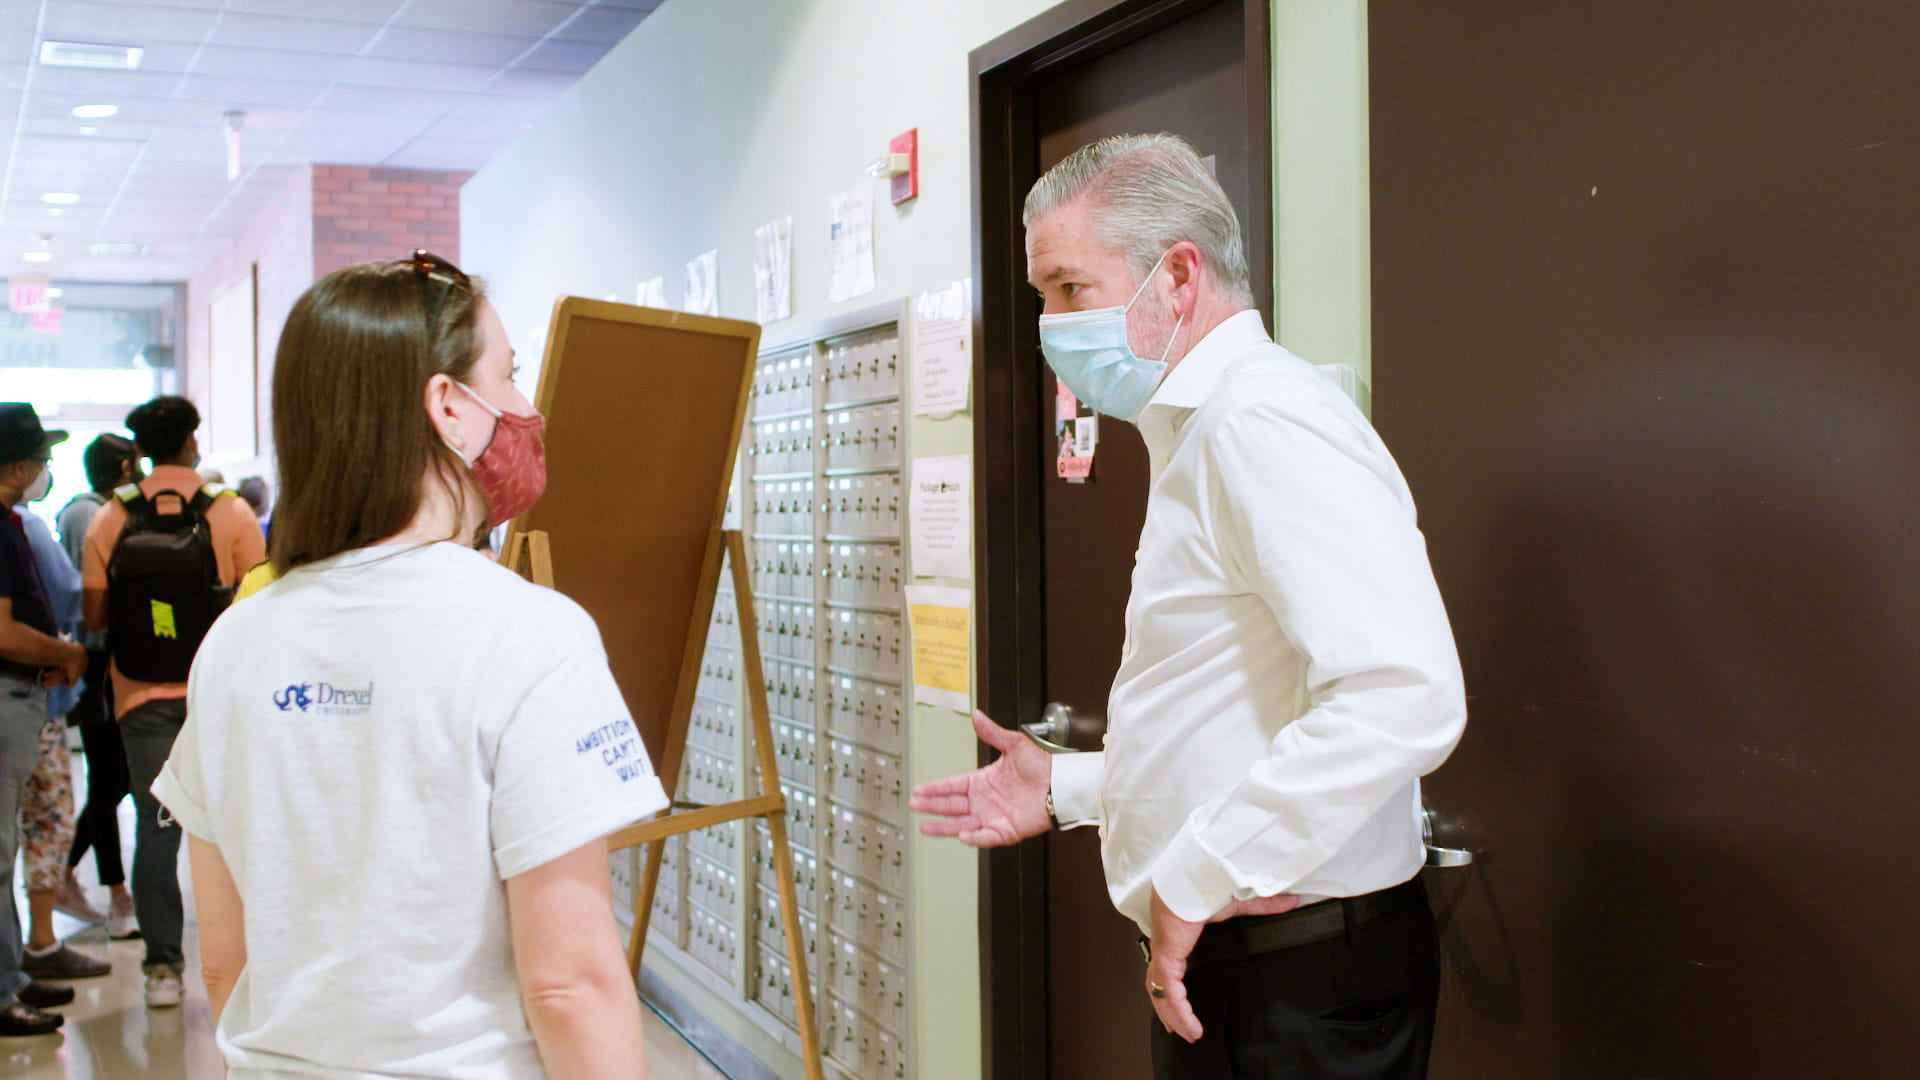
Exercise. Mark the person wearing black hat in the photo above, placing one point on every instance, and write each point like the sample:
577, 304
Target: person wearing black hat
32, 657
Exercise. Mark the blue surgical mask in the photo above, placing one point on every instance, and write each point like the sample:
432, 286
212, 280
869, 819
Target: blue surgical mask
1090, 353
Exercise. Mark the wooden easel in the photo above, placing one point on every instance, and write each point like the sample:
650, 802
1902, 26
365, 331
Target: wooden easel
534, 549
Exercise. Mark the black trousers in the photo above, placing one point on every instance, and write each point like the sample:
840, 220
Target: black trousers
98, 826
1358, 1006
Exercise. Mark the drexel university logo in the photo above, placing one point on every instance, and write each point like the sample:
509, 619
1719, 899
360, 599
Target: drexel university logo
298, 694
324, 698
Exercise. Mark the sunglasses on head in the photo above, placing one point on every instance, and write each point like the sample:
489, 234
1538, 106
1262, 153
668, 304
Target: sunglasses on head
434, 268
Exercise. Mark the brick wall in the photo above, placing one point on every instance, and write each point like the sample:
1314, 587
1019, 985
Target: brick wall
328, 216
280, 243
373, 213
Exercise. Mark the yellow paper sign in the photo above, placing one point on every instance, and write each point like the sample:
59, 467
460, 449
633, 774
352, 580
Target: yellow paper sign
942, 646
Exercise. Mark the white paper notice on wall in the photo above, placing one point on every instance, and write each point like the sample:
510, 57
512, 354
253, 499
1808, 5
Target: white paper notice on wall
939, 620
850, 243
942, 349
939, 516
773, 270
652, 292
703, 285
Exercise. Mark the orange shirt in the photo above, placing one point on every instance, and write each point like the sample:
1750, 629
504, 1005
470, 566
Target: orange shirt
237, 544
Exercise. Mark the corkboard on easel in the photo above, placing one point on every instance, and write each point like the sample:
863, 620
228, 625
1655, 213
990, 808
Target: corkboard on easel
644, 411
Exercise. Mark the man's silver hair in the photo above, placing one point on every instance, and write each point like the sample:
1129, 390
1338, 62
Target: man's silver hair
1149, 192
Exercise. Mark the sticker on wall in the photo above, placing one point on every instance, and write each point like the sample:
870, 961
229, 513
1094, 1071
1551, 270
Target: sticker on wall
850, 243
942, 350
937, 516
773, 270
652, 292
703, 285
942, 646
1077, 430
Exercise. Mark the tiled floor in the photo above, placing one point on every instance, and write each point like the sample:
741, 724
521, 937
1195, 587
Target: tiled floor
110, 1034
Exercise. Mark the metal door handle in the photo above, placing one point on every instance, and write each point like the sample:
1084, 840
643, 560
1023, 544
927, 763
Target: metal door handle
1439, 856
1053, 729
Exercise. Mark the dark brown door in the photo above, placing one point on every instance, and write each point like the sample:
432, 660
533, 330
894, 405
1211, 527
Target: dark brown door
1645, 326
1180, 67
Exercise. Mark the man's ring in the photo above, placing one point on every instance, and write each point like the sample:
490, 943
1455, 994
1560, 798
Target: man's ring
1156, 990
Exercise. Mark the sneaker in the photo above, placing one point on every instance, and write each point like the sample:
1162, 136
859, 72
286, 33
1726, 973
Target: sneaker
120, 922
46, 995
63, 963
164, 989
21, 1018
71, 899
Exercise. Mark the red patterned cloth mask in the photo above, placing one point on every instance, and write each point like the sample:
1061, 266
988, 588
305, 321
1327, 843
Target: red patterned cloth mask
512, 470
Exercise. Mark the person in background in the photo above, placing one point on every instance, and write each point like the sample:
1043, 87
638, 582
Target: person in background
394, 683
32, 658
110, 461
1289, 673
254, 490
151, 713
46, 804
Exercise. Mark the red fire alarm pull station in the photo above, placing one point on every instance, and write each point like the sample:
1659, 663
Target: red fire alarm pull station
906, 185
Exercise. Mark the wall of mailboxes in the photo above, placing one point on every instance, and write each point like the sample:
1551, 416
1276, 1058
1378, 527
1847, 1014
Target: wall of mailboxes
822, 505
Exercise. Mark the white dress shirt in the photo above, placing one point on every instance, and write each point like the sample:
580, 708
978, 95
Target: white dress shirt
1289, 672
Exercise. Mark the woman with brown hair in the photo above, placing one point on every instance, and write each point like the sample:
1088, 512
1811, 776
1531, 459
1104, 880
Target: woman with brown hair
401, 761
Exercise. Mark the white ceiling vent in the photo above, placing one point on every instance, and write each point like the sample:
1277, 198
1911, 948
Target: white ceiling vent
84, 55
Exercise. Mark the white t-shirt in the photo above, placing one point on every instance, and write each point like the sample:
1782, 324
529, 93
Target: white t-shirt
376, 742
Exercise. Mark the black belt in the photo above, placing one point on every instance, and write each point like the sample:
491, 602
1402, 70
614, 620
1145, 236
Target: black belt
1253, 935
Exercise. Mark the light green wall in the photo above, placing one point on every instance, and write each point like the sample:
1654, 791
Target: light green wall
1321, 228
717, 116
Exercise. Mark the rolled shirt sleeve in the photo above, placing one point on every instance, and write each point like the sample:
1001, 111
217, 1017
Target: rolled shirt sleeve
569, 766
1329, 543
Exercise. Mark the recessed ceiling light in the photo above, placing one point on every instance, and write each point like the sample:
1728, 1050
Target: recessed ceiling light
83, 54
89, 129
95, 112
36, 256
118, 249
60, 198
55, 211
56, 292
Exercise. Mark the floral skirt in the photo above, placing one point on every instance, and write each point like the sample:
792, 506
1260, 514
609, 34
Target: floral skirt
46, 811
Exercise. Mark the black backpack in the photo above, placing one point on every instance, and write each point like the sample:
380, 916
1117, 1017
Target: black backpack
163, 584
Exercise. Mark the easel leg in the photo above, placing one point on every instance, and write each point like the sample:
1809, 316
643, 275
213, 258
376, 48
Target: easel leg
643, 906
796, 945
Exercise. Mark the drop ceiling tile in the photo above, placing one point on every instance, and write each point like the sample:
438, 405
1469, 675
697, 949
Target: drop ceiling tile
104, 85
519, 82
531, 18
478, 128
450, 154
449, 46
124, 23
65, 125
416, 75
572, 57
13, 76
373, 11
500, 109
222, 93
309, 34
433, 102
340, 148
635, 5
249, 63
376, 120
602, 24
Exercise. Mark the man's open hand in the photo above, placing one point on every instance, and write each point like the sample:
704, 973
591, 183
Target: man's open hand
1004, 803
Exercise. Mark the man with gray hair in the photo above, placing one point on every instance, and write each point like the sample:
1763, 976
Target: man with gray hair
1289, 673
